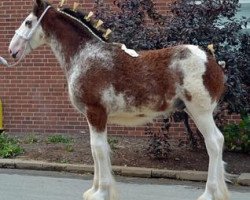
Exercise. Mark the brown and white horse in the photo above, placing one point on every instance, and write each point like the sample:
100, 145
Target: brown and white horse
108, 84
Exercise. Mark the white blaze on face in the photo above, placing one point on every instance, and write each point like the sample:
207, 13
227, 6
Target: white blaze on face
19, 45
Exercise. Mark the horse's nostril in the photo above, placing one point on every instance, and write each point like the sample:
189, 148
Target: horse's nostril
14, 54
10, 51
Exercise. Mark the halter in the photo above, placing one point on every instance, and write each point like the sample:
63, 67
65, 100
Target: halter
27, 38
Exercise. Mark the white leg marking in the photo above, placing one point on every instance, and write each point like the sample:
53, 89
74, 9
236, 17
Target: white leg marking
95, 185
216, 188
104, 184
221, 170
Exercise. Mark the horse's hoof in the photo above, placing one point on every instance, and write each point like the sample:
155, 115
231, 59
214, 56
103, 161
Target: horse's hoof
216, 197
87, 195
205, 197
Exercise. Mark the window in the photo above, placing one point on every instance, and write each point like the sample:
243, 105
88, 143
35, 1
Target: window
245, 11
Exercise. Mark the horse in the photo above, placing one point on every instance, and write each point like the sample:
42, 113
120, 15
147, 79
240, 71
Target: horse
109, 83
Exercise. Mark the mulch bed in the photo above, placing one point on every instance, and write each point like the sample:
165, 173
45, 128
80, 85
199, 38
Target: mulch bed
128, 151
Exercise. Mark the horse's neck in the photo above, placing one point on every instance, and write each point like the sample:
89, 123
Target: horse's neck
68, 59
66, 42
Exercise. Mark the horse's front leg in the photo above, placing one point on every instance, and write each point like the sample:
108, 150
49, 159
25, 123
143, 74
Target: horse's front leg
95, 185
104, 185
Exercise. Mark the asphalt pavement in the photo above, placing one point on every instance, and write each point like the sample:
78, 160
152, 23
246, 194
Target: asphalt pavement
41, 185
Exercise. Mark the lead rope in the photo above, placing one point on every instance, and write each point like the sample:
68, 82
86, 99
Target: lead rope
26, 38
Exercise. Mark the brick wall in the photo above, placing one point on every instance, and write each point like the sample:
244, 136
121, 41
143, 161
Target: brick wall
34, 93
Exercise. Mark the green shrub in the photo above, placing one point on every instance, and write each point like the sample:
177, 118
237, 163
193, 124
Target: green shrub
9, 147
69, 148
113, 143
158, 143
59, 139
31, 139
237, 136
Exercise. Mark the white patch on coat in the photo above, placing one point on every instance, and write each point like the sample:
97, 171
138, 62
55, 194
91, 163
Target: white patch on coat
112, 101
193, 69
74, 88
138, 116
197, 51
58, 51
93, 52
121, 109
121, 112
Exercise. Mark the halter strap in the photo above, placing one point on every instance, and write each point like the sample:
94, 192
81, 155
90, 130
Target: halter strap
26, 38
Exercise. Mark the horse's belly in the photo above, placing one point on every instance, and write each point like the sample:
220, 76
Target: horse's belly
132, 118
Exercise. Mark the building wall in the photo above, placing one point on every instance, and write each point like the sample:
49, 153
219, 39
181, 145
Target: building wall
34, 93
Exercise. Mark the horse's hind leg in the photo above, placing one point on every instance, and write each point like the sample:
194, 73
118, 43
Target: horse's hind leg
221, 171
216, 188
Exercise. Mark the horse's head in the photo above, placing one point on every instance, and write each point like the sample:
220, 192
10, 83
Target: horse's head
30, 34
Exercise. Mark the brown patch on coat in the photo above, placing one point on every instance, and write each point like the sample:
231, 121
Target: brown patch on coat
187, 95
97, 117
213, 79
147, 79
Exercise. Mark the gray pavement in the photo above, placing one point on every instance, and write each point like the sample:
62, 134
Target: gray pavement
40, 185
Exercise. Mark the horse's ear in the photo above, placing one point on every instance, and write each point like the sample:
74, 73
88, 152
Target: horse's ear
39, 6
39, 3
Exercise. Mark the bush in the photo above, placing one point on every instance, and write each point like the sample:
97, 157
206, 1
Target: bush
237, 136
113, 142
159, 145
9, 147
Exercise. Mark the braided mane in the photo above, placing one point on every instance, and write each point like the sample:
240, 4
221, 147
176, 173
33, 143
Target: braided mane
79, 15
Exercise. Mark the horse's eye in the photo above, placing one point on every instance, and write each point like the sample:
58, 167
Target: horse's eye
28, 23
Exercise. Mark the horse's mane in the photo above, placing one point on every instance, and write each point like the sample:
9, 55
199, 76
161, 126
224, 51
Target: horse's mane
79, 15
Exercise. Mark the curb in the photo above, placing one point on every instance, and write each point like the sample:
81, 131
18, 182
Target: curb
243, 179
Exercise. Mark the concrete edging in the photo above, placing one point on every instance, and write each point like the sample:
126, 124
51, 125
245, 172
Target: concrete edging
243, 179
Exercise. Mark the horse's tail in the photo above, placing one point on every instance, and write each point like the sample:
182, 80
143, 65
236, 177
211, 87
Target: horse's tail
211, 50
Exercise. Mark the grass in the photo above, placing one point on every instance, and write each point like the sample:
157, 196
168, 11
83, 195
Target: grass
61, 139
55, 139
113, 143
9, 146
31, 139
64, 161
69, 148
